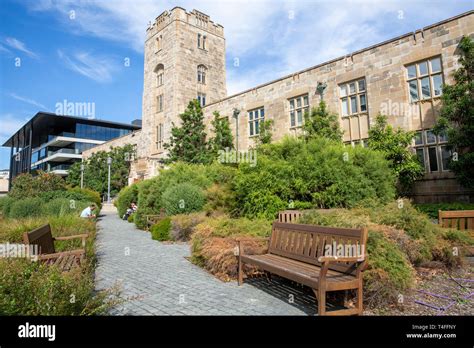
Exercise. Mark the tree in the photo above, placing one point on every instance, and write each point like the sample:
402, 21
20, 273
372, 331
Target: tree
394, 144
222, 134
265, 132
96, 170
457, 115
321, 123
188, 142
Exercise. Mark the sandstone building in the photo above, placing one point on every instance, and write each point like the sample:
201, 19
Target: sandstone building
401, 78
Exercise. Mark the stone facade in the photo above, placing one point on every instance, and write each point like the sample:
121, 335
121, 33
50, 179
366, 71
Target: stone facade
379, 76
177, 45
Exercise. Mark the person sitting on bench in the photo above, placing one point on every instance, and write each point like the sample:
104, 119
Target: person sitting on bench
88, 212
133, 208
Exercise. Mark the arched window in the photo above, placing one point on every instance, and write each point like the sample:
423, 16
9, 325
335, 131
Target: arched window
159, 71
201, 74
204, 42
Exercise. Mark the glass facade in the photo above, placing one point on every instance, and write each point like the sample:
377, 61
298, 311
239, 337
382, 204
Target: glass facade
99, 132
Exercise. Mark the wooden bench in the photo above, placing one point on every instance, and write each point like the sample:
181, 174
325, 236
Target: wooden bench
154, 219
457, 219
289, 216
297, 252
44, 240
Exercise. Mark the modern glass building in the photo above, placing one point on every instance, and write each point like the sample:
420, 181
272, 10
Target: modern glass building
52, 143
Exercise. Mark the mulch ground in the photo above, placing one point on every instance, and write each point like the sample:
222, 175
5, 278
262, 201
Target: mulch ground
438, 292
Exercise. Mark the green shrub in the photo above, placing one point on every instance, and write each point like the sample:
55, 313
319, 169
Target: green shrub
320, 172
5, 205
431, 209
161, 231
389, 273
26, 185
126, 196
64, 206
76, 194
131, 218
182, 199
26, 207
32, 288
84, 194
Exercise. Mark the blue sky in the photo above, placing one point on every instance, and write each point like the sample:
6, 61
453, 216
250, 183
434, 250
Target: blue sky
76, 50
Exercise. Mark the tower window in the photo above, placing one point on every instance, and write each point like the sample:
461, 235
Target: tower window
159, 43
159, 103
159, 136
201, 41
202, 99
159, 70
201, 74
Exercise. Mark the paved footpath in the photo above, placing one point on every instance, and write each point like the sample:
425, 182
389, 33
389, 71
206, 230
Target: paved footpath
159, 280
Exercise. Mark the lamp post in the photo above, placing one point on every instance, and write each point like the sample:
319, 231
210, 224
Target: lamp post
82, 175
109, 163
235, 115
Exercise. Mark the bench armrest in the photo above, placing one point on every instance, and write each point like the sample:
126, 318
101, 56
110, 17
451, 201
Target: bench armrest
83, 236
326, 260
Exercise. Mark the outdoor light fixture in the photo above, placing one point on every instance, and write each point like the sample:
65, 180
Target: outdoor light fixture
320, 88
82, 175
235, 114
109, 163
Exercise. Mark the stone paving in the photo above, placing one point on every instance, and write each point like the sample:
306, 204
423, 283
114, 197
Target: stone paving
157, 279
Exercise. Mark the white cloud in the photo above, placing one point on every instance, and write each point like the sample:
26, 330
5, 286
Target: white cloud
20, 46
28, 101
97, 68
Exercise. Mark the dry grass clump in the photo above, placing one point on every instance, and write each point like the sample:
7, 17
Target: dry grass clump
214, 243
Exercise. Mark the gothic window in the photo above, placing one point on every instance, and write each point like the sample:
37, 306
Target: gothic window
159, 136
202, 99
159, 103
201, 74
159, 70
201, 41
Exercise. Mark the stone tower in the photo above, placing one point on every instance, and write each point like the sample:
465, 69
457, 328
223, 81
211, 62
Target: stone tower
184, 60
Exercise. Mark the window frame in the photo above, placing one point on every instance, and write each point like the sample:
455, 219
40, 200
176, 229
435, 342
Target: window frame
159, 103
304, 108
419, 77
201, 97
347, 97
440, 142
254, 123
201, 74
